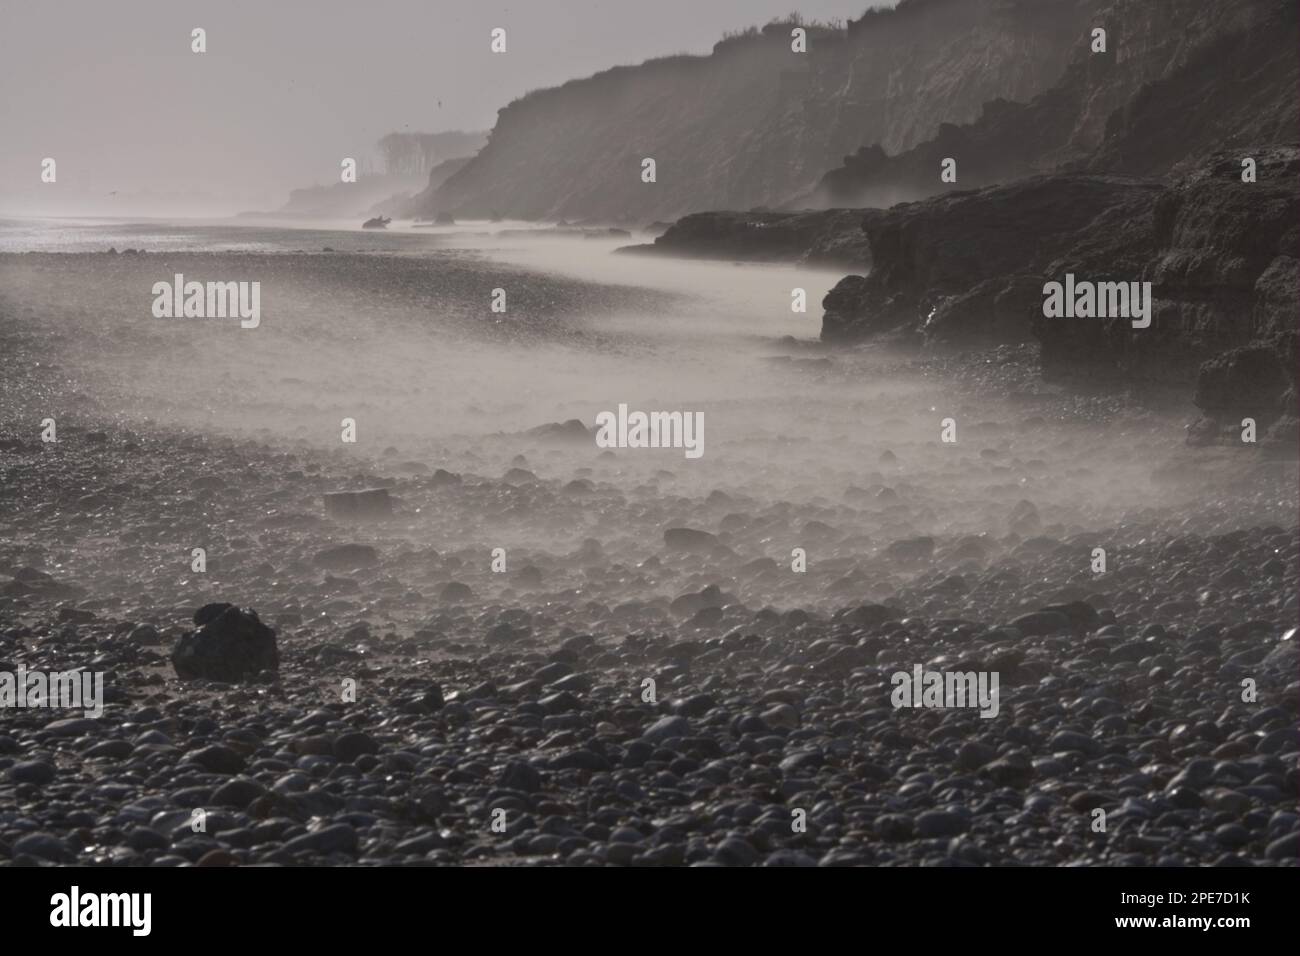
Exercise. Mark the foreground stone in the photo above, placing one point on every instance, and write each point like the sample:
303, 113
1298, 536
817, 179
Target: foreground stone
231, 647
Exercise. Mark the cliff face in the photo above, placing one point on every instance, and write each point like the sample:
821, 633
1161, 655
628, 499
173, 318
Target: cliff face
415, 154
411, 204
1239, 86
346, 200
754, 123
411, 162
1180, 80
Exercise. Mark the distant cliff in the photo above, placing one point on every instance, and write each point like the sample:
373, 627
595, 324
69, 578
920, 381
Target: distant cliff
341, 200
409, 164
754, 123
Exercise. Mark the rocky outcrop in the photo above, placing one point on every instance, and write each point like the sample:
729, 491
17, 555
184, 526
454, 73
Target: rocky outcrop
754, 123
1220, 254
969, 267
1180, 79
829, 238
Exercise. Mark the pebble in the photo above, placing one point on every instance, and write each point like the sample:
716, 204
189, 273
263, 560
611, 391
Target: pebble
44, 846
667, 728
216, 758
940, 823
772, 696
338, 838
348, 747
37, 772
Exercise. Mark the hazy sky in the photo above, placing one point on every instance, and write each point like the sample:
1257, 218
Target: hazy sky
287, 88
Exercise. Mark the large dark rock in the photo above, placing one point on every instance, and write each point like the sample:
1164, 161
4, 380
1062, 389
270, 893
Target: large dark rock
230, 647
210, 612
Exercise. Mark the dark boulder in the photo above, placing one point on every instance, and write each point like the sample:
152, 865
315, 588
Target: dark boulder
210, 612
232, 646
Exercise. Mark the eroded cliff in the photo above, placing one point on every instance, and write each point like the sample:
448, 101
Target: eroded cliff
754, 123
